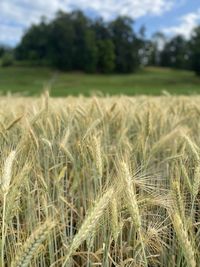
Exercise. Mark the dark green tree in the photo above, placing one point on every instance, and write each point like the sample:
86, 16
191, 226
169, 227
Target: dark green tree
34, 43
126, 45
101, 30
106, 56
61, 42
85, 50
105, 46
3, 50
195, 50
176, 53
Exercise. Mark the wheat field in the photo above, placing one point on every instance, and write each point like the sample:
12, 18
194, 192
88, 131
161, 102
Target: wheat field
111, 181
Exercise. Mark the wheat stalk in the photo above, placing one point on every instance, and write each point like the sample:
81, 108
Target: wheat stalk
14, 122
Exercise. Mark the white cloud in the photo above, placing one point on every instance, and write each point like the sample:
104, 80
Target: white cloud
10, 34
25, 12
187, 23
132, 8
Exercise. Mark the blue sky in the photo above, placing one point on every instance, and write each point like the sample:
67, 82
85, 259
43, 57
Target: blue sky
169, 16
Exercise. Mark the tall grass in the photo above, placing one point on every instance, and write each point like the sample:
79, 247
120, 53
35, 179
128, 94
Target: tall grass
100, 181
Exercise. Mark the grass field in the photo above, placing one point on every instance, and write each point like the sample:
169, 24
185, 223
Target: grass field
100, 181
150, 81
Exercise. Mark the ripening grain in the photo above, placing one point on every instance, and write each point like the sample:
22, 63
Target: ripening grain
100, 181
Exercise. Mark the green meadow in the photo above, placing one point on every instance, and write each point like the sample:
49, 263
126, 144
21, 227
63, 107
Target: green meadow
150, 81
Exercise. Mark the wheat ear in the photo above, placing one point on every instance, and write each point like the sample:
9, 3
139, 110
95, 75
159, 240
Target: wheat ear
97, 156
193, 147
132, 205
89, 223
130, 196
7, 172
177, 199
32, 244
5, 183
114, 219
183, 240
196, 182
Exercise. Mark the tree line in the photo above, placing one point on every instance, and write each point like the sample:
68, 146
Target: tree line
73, 41
177, 52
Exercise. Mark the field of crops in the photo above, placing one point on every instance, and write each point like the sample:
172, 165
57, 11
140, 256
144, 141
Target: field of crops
100, 181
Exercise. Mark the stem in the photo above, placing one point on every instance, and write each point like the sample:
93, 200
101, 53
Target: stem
3, 230
143, 249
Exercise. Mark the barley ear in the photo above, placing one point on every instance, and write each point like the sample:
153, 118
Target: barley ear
196, 182
23, 258
98, 156
177, 199
130, 195
184, 241
7, 172
89, 224
115, 226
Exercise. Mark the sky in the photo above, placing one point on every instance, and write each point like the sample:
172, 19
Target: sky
168, 16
